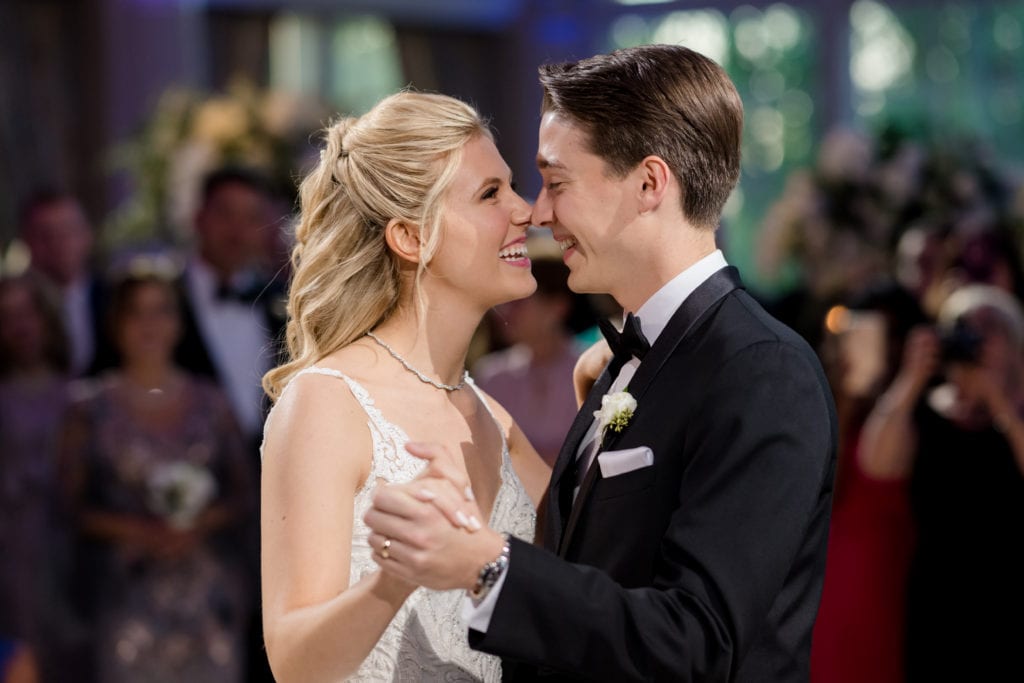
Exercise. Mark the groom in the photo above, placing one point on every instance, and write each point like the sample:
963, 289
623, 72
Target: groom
686, 540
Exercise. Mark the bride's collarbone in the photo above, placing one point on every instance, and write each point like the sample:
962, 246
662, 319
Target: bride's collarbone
457, 419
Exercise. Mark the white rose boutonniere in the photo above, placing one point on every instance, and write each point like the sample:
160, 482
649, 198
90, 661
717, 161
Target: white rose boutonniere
615, 413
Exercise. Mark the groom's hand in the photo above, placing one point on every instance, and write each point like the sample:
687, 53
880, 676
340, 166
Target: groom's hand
414, 540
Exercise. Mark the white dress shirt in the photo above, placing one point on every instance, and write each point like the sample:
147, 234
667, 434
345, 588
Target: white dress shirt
654, 315
77, 315
238, 341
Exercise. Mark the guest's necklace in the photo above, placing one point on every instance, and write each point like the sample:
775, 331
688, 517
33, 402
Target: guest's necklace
420, 375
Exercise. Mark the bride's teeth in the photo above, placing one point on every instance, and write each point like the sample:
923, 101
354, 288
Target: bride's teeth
566, 244
516, 252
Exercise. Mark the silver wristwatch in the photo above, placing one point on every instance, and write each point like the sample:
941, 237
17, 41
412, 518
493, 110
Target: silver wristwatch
490, 573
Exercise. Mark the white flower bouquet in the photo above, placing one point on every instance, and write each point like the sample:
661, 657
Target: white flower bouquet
180, 491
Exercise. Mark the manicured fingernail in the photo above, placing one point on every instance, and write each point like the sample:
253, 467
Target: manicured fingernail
469, 493
426, 494
474, 523
462, 518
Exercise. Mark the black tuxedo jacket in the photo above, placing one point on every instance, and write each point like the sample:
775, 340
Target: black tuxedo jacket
103, 350
193, 352
707, 565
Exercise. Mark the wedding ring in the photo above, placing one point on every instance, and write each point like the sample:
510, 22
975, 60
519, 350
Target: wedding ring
385, 549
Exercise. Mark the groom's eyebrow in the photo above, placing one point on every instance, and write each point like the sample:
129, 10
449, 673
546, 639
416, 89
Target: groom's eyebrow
544, 163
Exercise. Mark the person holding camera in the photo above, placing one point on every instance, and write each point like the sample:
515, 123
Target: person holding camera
952, 426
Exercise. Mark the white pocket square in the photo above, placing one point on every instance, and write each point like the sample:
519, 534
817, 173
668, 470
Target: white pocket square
614, 463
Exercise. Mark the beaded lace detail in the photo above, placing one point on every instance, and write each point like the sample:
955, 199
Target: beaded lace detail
426, 641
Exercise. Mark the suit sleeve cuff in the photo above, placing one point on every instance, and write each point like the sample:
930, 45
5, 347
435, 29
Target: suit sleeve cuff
477, 616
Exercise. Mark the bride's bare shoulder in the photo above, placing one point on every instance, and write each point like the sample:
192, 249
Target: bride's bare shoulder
317, 411
359, 361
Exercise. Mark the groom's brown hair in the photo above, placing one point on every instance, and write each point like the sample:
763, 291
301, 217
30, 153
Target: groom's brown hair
664, 100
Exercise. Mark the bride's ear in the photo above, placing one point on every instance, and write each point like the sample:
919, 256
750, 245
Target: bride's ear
403, 238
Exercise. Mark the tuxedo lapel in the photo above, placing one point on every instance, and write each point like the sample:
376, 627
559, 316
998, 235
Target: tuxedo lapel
557, 512
588, 483
679, 326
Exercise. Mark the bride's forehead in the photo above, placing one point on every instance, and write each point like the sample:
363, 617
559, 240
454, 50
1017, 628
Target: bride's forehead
480, 161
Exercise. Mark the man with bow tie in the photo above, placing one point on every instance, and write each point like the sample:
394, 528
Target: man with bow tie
684, 532
231, 319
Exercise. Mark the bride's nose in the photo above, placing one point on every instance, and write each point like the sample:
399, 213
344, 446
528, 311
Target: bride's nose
521, 213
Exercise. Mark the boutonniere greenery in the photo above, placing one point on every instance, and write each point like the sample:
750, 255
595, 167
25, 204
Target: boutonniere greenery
616, 411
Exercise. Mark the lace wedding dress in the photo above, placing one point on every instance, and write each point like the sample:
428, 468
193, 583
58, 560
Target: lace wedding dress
426, 640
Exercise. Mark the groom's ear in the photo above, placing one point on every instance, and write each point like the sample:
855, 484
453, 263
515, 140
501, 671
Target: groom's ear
403, 238
653, 179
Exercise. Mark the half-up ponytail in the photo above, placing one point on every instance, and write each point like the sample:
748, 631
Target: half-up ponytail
395, 162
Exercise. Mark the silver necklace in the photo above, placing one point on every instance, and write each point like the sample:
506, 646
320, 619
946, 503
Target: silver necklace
420, 375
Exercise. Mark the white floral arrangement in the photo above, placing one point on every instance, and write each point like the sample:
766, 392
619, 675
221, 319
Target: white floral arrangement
616, 411
180, 491
189, 134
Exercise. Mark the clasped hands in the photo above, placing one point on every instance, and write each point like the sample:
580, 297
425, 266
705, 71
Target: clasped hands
429, 531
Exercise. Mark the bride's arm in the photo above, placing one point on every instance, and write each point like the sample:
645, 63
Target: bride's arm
588, 368
530, 468
316, 454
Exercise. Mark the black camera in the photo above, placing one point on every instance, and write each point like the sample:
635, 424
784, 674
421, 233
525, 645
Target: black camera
961, 343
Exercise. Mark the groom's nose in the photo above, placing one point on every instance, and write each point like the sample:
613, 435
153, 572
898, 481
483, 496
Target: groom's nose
542, 214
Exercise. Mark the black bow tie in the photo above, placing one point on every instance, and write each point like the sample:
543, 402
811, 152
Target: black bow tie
630, 343
235, 294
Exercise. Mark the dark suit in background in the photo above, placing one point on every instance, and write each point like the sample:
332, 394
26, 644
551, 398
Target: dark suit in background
260, 305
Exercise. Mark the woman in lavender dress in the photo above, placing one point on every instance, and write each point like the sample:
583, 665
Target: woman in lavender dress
160, 488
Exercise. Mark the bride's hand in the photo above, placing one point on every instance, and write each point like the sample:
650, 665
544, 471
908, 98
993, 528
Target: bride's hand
415, 542
455, 501
588, 368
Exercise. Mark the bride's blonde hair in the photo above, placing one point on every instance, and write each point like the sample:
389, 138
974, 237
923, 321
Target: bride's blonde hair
394, 162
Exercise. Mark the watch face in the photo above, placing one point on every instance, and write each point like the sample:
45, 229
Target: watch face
490, 573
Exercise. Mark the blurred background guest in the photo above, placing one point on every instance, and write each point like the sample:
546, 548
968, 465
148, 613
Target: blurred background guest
33, 398
859, 634
986, 252
532, 376
159, 485
960, 445
59, 238
231, 319
921, 260
233, 314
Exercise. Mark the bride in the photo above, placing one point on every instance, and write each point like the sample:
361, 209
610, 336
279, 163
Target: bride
409, 232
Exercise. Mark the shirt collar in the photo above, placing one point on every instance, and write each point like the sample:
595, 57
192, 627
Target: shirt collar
203, 278
656, 311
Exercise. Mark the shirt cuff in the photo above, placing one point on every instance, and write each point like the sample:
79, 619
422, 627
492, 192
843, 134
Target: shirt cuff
477, 616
